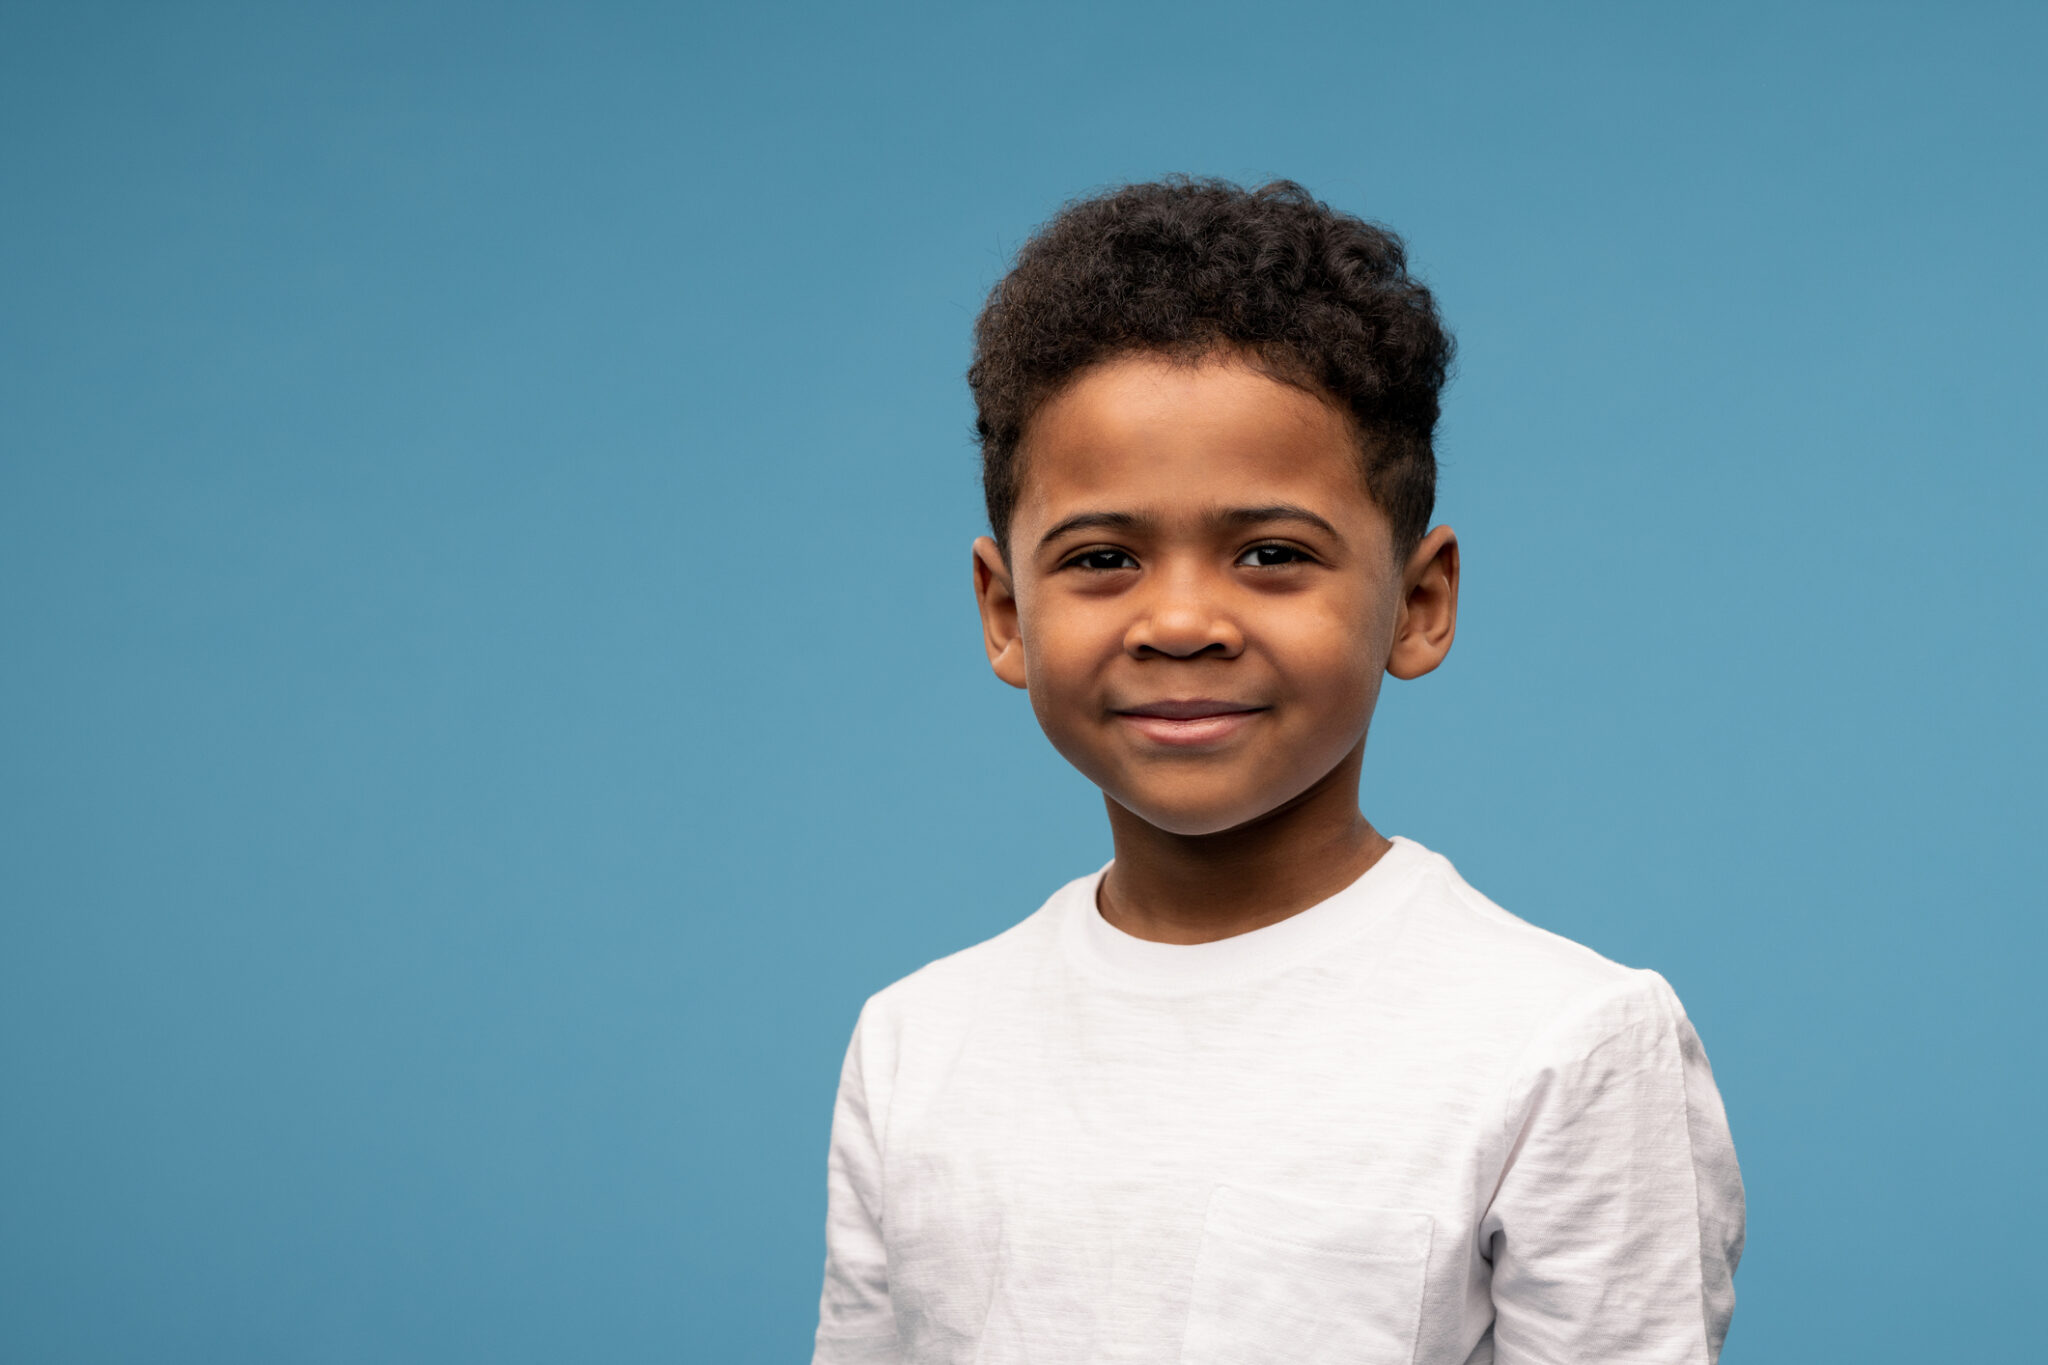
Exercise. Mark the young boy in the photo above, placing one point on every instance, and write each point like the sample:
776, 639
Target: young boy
1270, 1087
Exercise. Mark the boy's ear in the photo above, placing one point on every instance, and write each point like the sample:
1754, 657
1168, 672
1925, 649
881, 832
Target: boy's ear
1428, 617
996, 594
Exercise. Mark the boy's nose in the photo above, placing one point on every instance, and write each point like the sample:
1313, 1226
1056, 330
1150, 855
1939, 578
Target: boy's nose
1182, 620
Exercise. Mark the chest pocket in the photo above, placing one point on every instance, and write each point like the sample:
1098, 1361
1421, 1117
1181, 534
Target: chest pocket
1279, 1278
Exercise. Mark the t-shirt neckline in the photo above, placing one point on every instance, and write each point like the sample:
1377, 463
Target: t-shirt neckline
1105, 950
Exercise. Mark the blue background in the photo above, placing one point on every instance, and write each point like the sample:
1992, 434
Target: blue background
490, 683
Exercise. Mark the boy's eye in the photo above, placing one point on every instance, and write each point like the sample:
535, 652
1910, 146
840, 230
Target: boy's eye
1271, 556
1102, 559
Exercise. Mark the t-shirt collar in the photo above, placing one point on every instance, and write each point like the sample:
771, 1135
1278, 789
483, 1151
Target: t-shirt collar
1102, 949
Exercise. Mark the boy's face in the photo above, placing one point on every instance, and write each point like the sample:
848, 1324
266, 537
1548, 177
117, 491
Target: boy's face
1201, 597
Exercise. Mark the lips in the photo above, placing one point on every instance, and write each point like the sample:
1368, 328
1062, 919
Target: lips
1194, 722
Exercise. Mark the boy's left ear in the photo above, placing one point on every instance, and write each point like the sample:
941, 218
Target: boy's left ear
996, 594
1428, 617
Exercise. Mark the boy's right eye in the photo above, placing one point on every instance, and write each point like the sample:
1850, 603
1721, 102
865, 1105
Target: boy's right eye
1102, 559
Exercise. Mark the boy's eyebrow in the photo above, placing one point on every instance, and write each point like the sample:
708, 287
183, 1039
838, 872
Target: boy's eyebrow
1230, 516
1279, 511
1085, 521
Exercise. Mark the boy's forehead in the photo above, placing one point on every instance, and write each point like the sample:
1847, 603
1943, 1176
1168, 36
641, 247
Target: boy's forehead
1162, 434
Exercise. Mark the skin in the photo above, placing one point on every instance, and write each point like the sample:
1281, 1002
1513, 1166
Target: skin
1201, 599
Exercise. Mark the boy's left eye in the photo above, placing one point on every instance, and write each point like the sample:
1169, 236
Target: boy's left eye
1271, 556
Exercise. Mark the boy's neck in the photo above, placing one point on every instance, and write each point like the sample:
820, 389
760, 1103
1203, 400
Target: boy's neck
1181, 888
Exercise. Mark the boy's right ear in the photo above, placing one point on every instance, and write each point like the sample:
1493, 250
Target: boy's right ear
995, 592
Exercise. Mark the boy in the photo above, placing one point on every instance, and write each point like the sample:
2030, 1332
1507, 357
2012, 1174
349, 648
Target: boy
1270, 1087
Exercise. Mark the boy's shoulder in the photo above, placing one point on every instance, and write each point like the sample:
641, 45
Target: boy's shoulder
960, 979
1484, 962
1449, 917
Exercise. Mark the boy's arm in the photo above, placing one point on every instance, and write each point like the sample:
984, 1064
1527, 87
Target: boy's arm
1618, 1221
856, 1325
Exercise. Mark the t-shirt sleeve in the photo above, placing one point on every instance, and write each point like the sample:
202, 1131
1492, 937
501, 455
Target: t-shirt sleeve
856, 1325
1618, 1220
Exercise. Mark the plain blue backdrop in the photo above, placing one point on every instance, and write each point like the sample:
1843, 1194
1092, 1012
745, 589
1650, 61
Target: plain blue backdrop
489, 682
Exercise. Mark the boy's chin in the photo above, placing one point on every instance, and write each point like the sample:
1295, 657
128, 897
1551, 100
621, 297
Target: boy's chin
1190, 818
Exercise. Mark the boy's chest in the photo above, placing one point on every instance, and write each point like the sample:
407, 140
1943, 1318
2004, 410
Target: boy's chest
1071, 1180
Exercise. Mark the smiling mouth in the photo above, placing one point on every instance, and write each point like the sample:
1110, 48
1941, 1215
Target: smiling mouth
1193, 723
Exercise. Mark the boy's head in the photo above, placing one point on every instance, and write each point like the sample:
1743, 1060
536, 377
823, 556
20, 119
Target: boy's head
1184, 268
1206, 417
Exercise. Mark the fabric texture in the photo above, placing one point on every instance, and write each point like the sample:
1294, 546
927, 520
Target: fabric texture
1402, 1127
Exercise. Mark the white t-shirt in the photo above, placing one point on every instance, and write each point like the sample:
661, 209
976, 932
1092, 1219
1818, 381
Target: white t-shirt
1400, 1126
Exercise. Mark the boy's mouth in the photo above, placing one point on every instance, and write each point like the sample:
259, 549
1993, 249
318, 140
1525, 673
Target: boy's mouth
1194, 722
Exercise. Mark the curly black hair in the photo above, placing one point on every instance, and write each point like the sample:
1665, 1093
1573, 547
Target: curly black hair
1186, 267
